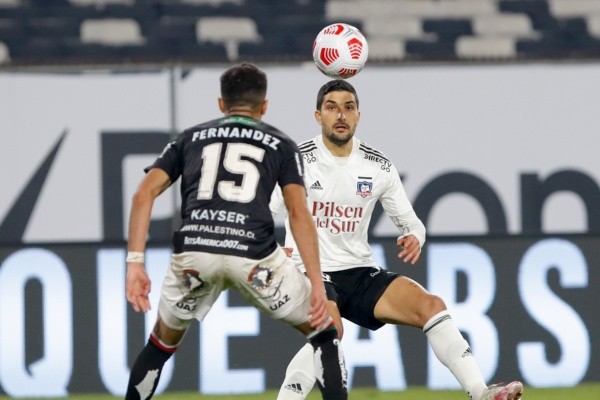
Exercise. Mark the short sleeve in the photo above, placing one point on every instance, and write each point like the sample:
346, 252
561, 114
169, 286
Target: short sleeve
292, 168
170, 159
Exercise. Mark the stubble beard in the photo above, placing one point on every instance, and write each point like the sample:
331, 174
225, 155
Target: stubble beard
338, 140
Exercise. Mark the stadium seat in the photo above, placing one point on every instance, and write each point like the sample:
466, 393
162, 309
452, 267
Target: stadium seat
4, 53
10, 3
391, 27
593, 25
533, 8
111, 32
357, 9
448, 29
505, 25
429, 50
213, 2
573, 8
228, 31
52, 27
12, 29
481, 48
384, 49
100, 3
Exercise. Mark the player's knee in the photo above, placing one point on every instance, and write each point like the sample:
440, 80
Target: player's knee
319, 338
339, 327
431, 306
340, 330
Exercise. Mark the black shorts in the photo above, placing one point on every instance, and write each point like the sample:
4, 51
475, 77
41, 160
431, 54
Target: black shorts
356, 292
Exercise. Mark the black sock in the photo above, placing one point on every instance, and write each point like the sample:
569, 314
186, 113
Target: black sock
145, 372
333, 386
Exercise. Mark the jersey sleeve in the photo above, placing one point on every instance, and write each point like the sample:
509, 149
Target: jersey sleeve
397, 206
277, 205
170, 159
292, 168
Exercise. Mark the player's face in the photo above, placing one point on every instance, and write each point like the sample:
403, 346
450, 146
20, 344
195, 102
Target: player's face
338, 117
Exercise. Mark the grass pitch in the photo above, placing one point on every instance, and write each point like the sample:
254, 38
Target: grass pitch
580, 392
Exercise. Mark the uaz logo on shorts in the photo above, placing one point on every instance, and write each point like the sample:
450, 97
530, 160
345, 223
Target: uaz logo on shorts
276, 305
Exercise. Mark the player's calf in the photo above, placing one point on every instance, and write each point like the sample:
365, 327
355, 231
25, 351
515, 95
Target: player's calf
330, 369
146, 370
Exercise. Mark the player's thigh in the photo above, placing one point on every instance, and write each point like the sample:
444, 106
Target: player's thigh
275, 286
406, 302
193, 283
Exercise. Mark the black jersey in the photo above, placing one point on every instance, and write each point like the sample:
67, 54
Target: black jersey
228, 169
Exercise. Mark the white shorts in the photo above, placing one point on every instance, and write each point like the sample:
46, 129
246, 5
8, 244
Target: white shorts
195, 280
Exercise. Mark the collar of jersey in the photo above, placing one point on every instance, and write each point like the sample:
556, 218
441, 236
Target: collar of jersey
325, 150
240, 119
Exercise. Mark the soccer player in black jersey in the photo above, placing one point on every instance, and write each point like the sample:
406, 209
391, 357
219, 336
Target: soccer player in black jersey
228, 169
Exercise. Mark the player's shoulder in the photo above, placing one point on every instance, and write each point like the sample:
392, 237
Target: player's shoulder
276, 132
307, 146
373, 157
366, 148
188, 132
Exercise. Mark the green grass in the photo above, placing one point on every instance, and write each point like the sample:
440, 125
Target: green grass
580, 392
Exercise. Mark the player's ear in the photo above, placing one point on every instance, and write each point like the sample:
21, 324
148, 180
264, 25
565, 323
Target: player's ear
221, 105
318, 117
263, 108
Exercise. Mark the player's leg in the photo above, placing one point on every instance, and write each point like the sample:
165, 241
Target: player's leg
406, 302
149, 363
187, 294
300, 372
274, 278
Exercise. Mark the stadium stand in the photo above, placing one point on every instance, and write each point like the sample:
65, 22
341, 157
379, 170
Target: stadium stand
4, 55
58, 32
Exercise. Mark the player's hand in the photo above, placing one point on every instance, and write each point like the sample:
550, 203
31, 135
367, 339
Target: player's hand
411, 249
318, 311
137, 287
288, 251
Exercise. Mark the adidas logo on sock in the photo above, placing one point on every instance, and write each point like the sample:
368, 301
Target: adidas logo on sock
316, 186
294, 387
467, 353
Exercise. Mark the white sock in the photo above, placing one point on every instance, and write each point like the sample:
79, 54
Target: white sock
454, 352
299, 375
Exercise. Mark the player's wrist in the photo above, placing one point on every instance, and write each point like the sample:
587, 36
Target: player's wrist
136, 257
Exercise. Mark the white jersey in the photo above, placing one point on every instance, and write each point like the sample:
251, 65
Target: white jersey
341, 196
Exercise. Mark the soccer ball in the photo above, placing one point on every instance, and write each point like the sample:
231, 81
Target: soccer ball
340, 51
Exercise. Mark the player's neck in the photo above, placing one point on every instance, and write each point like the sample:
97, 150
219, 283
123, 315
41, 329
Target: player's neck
338, 150
242, 113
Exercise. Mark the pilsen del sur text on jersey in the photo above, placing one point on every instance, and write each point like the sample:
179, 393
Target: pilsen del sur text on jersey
236, 132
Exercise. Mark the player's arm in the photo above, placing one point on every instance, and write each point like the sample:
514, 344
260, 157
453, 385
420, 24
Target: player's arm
413, 237
397, 206
305, 234
138, 283
277, 206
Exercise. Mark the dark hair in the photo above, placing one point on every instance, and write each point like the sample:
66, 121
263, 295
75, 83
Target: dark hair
243, 85
337, 85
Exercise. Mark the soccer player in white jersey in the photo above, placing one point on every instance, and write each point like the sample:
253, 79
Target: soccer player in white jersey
345, 178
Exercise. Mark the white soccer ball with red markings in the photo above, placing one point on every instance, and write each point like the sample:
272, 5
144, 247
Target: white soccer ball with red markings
340, 51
